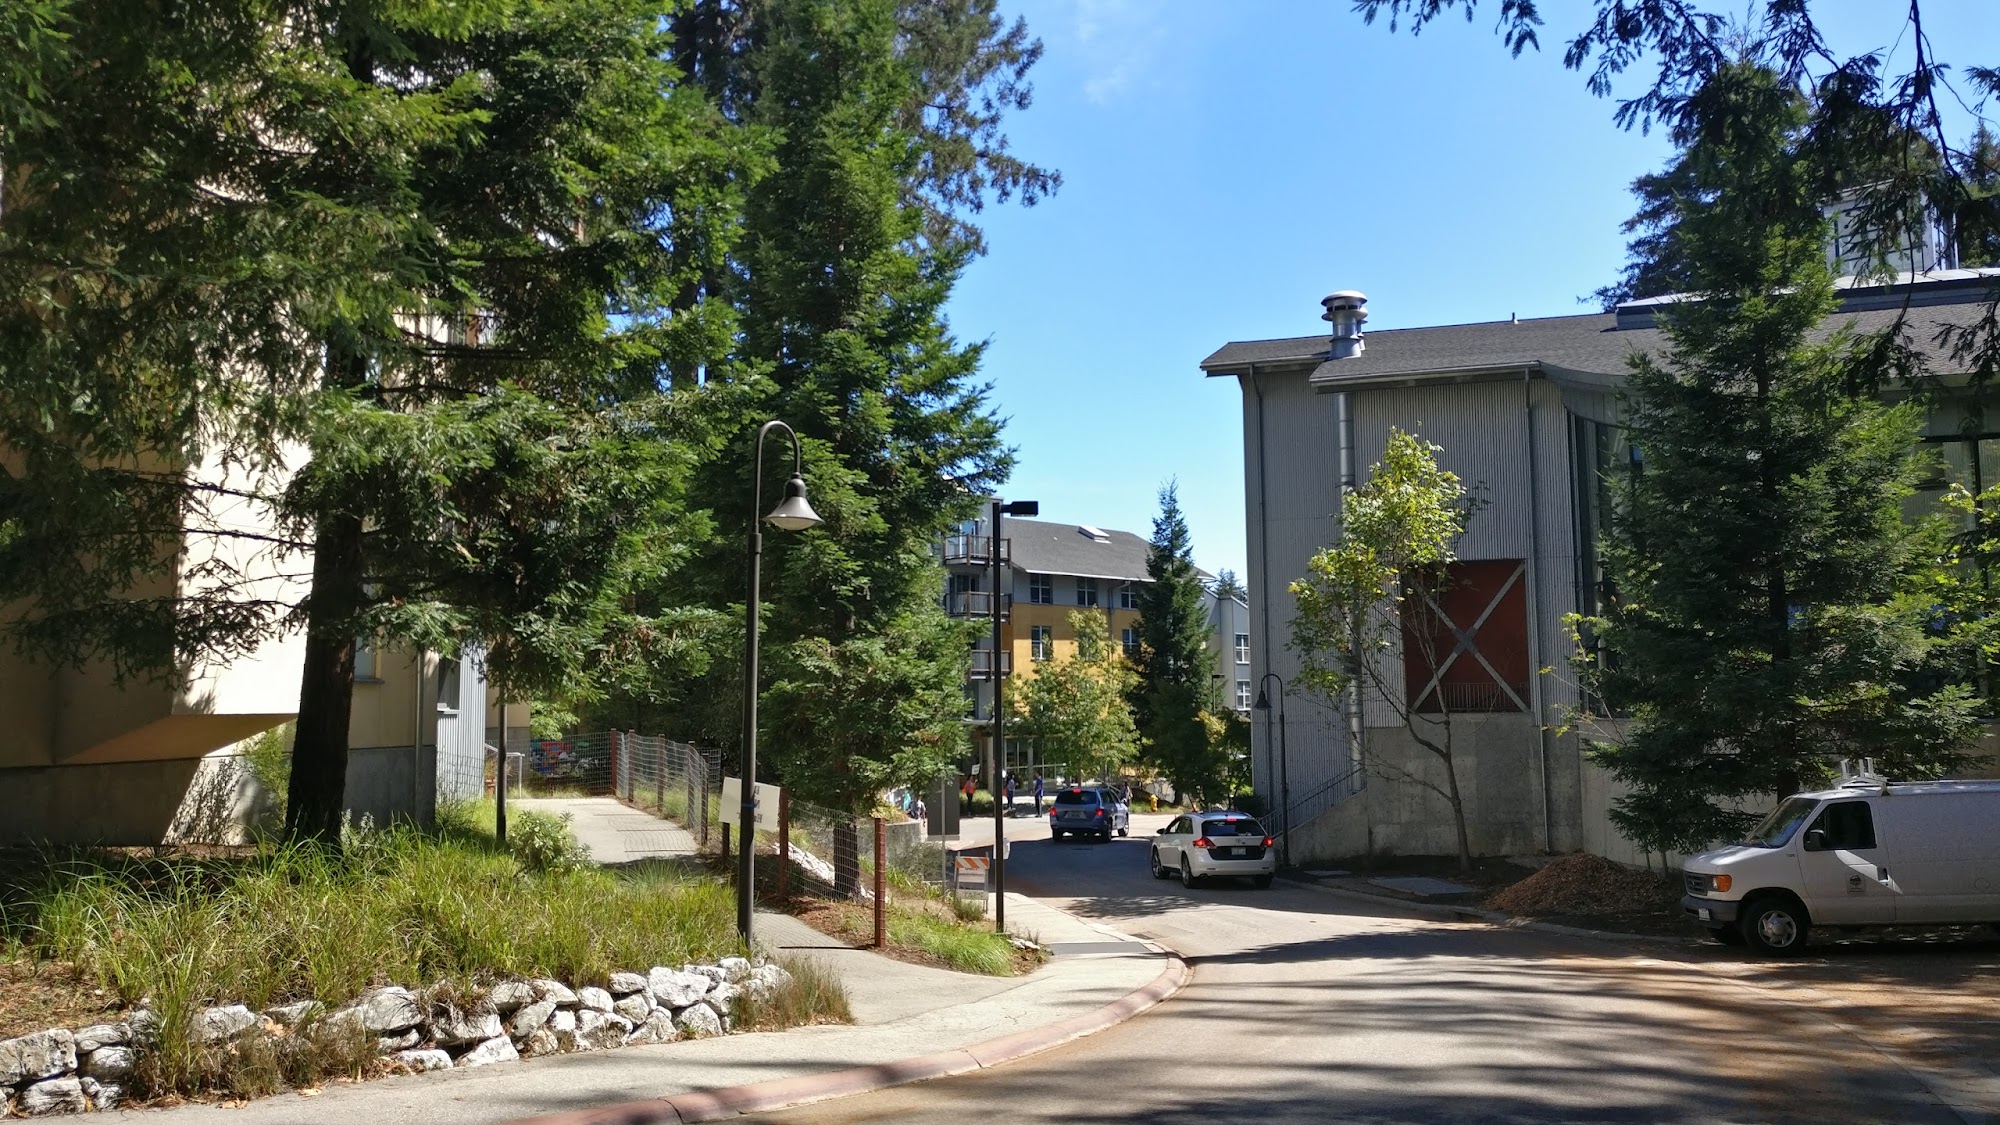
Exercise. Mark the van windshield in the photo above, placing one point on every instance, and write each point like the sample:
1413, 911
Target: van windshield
1777, 828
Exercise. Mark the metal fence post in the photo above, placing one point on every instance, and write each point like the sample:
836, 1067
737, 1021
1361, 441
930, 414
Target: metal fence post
660, 776
881, 895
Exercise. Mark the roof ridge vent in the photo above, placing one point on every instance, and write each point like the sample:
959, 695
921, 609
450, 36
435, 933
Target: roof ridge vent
1346, 310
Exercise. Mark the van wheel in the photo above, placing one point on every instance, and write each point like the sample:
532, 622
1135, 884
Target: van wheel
1774, 926
1727, 935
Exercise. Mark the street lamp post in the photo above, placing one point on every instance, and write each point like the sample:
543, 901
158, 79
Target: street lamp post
1284, 764
998, 781
791, 514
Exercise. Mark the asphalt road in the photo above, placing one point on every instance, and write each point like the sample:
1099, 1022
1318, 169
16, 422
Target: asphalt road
1309, 1008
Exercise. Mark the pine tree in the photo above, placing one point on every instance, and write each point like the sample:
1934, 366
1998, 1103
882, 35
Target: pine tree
401, 240
1772, 611
1174, 689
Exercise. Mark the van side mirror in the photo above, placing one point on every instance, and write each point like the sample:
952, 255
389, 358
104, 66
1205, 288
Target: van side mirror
1815, 839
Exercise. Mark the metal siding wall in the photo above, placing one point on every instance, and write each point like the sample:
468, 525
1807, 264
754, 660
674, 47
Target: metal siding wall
1302, 471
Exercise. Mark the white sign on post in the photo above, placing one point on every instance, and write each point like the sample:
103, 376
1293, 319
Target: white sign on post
767, 803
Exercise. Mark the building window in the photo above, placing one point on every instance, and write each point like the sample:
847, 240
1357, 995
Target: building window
1041, 590
1130, 637
1128, 596
1086, 591
364, 661
1041, 642
1242, 648
1243, 695
447, 684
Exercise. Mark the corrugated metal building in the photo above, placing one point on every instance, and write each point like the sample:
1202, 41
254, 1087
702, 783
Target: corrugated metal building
1525, 411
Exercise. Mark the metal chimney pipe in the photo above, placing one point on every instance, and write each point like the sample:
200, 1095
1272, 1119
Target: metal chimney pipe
1347, 311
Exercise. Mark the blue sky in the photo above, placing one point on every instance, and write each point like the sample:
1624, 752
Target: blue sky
1228, 164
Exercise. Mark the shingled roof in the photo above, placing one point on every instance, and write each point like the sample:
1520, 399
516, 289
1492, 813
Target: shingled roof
1042, 547
1594, 343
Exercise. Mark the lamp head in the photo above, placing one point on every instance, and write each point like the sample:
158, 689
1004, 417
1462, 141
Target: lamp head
1263, 701
793, 513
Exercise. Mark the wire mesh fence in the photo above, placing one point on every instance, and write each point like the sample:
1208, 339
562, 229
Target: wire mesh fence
835, 855
669, 779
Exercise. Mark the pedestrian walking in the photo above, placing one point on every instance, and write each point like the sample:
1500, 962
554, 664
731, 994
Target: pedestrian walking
1038, 793
965, 797
1010, 792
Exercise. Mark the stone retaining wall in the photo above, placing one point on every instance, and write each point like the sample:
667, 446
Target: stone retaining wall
71, 1071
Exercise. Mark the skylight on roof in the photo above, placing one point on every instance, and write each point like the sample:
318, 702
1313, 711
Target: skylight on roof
1097, 534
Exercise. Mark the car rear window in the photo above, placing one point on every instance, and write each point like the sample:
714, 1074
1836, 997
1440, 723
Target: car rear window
1238, 826
1077, 797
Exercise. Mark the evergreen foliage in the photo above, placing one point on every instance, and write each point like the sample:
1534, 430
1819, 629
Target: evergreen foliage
1174, 688
1075, 709
1774, 610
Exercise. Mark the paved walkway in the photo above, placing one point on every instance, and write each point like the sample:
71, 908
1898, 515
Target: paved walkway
614, 833
902, 1011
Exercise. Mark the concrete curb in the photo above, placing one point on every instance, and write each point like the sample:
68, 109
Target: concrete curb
1446, 913
783, 1093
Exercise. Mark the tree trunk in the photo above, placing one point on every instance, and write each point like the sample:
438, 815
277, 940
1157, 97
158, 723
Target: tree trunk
1457, 813
316, 799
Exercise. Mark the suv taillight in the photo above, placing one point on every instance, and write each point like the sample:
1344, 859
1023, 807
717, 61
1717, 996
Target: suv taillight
1267, 841
1203, 842
1100, 812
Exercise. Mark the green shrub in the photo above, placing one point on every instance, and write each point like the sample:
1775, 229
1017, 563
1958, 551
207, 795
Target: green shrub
543, 844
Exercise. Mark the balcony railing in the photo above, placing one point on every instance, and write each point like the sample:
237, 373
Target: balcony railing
982, 664
968, 549
1469, 698
974, 603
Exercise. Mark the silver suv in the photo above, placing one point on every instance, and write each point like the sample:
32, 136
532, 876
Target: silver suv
1088, 812
1214, 845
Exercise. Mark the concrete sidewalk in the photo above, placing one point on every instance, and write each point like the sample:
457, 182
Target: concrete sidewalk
614, 833
904, 1013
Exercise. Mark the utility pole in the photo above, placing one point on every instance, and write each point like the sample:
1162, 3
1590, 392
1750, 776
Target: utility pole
998, 781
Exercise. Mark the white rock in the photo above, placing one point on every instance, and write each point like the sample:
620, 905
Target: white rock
102, 1095
401, 1041
531, 1017
217, 1025
102, 1035
596, 1031
635, 1007
698, 1021
424, 1060
722, 998
56, 1095
387, 1010
108, 1064
30, 1058
456, 1027
656, 1028
498, 1049
552, 990
292, 1015
766, 980
511, 994
145, 1029
596, 999
734, 968
624, 984
716, 974
541, 1041
675, 989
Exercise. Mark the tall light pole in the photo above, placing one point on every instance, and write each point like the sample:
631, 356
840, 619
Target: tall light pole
998, 782
1284, 764
791, 514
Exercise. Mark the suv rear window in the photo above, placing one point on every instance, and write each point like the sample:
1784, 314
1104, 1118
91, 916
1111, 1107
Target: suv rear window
1238, 826
1077, 797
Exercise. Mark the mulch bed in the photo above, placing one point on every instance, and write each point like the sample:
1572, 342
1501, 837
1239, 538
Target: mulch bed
1594, 893
38, 995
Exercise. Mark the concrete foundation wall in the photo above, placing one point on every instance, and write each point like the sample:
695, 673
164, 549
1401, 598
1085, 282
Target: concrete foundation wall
213, 799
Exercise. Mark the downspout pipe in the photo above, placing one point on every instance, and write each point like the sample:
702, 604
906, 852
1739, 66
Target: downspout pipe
1264, 555
1537, 729
1343, 406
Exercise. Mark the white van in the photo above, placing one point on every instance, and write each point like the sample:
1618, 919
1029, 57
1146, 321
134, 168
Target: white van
1866, 854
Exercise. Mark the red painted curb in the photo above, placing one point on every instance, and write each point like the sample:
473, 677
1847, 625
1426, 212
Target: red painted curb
713, 1105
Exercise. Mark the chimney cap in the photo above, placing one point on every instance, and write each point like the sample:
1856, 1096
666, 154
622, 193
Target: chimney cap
1347, 298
